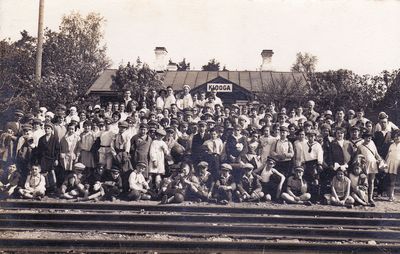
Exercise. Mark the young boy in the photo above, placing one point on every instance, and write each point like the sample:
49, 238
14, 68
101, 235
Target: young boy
95, 193
112, 184
35, 185
271, 180
138, 187
249, 187
9, 181
341, 185
296, 191
206, 182
72, 186
224, 186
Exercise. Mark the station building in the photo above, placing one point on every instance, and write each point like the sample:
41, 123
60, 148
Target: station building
233, 86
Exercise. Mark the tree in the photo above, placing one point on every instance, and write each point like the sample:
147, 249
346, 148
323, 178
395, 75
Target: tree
73, 57
305, 63
183, 66
284, 91
212, 65
135, 78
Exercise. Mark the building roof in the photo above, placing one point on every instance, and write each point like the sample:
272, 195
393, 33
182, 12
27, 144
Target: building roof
255, 81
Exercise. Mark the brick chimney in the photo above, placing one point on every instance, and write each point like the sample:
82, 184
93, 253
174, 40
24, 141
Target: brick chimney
161, 53
266, 55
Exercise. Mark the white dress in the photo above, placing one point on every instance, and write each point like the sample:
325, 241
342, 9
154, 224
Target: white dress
393, 158
371, 155
158, 150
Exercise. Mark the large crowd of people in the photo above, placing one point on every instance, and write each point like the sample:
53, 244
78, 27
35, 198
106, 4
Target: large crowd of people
177, 147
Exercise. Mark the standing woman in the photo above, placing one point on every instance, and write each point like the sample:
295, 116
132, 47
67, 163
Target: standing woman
372, 158
68, 149
266, 142
393, 162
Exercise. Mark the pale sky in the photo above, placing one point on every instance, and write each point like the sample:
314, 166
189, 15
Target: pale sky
363, 36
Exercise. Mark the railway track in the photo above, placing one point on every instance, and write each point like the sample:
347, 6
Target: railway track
252, 229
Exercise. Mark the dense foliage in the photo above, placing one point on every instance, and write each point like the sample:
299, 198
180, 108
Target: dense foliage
135, 78
73, 57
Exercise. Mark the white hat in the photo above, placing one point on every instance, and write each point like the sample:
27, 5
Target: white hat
43, 109
50, 114
97, 106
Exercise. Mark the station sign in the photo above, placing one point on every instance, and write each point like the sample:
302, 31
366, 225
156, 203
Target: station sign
219, 87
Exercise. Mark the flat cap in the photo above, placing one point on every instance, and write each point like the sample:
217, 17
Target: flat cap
226, 166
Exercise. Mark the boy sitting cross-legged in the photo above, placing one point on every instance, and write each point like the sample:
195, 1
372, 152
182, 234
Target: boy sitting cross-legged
296, 191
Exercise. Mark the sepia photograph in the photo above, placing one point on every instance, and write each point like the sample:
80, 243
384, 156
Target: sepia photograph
199, 126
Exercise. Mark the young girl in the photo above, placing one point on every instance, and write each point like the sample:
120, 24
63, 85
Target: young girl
35, 185
158, 151
359, 182
340, 194
393, 162
372, 158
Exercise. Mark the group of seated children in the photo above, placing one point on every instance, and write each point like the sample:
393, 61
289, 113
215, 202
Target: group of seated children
184, 183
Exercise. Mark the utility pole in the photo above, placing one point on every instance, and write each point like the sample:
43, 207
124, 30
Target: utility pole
39, 50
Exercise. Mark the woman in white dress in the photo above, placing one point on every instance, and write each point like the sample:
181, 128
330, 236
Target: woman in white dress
158, 151
393, 163
372, 159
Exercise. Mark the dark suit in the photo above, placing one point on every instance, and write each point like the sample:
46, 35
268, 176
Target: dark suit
197, 143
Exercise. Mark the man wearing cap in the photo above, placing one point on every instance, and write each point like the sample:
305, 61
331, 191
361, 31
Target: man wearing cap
198, 141
224, 185
283, 152
112, 183
73, 186
140, 146
120, 147
24, 150
205, 181
384, 123
296, 190
15, 125
249, 187
236, 146
48, 152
